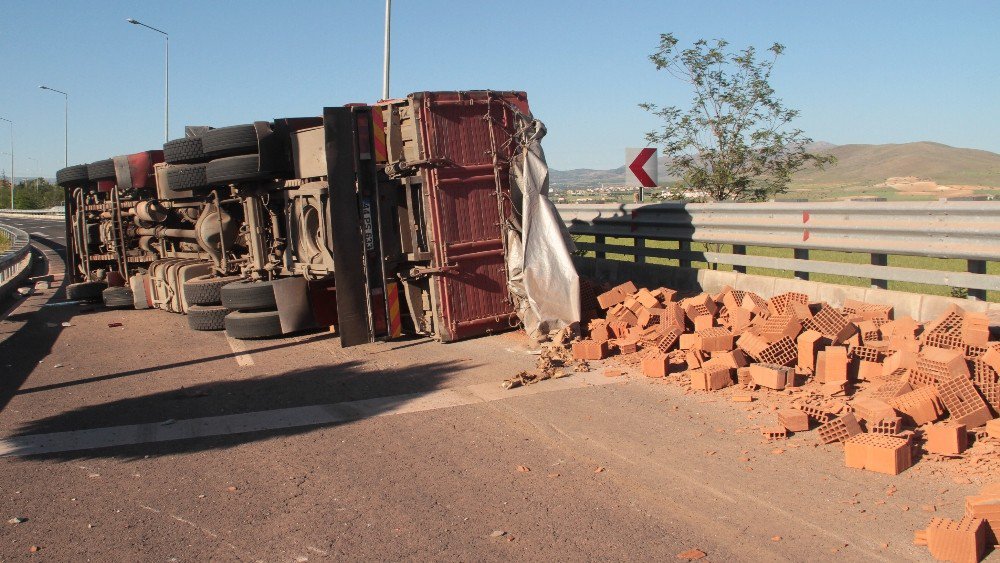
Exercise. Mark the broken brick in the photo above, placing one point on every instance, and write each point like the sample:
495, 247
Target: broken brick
959, 541
794, 420
879, 453
946, 439
839, 429
590, 350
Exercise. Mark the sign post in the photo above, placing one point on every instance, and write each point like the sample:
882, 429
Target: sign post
641, 168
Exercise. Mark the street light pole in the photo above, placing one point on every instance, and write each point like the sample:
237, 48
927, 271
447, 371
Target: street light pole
11, 160
166, 77
66, 97
385, 66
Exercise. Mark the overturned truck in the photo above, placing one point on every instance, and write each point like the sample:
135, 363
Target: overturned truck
422, 215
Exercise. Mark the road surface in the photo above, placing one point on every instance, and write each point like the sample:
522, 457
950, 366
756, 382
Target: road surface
147, 441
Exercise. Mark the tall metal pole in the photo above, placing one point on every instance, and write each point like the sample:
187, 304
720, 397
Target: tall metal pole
385, 67
11, 160
66, 97
166, 77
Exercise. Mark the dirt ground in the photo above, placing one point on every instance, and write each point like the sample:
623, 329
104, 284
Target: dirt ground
300, 450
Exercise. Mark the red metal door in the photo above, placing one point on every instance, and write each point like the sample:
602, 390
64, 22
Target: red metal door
467, 143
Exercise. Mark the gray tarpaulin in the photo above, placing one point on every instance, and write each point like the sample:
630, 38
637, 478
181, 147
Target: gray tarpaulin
539, 263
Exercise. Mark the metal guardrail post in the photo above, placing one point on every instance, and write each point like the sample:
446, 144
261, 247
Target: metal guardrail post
802, 254
976, 267
684, 246
879, 260
599, 239
740, 250
640, 250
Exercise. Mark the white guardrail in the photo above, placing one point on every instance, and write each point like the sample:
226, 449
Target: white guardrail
963, 230
46, 213
14, 263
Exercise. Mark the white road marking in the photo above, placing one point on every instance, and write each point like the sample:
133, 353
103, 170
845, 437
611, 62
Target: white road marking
239, 351
312, 415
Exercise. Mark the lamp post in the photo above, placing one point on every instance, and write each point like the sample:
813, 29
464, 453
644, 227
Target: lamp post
385, 62
66, 96
166, 77
11, 123
34, 181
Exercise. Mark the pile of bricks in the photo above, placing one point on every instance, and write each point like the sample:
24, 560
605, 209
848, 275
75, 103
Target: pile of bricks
884, 387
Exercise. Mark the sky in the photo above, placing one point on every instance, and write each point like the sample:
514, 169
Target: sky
859, 72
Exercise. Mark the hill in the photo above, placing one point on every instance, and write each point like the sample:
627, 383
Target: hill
907, 170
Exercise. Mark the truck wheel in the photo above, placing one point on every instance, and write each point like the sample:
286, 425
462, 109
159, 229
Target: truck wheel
72, 176
101, 170
186, 177
248, 296
234, 169
118, 298
253, 324
85, 291
229, 141
184, 150
206, 290
207, 317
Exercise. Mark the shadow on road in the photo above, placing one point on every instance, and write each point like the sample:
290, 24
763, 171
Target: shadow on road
21, 352
280, 405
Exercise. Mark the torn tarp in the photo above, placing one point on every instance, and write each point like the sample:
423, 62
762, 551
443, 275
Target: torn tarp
540, 268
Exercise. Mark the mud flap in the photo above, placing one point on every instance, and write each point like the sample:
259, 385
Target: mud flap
292, 299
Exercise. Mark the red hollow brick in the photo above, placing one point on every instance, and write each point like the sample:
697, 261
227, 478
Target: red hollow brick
946, 439
590, 350
655, 364
961, 541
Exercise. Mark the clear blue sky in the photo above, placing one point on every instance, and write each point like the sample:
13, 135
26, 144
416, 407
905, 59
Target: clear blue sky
860, 72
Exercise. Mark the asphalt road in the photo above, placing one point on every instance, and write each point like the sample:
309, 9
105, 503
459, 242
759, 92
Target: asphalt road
293, 449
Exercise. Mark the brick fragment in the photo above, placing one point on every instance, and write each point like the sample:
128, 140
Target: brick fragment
838, 429
782, 352
963, 402
831, 324
887, 426
959, 541
794, 420
629, 345
615, 295
656, 364
993, 429
716, 339
992, 357
946, 438
646, 299
872, 410
919, 406
774, 432
813, 411
986, 507
780, 326
772, 376
711, 379
834, 364
879, 453
752, 344
808, 345
590, 350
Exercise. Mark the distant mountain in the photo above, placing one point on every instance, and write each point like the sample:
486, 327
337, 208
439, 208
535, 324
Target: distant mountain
874, 164
857, 166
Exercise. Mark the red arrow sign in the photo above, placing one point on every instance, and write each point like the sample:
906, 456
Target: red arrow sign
637, 164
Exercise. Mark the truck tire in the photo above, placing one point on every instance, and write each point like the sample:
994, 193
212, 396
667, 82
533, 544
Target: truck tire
180, 151
207, 317
230, 141
72, 176
206, 290
183, 177
234, 169
101, 170
85, 291
253, 324
248, 296
118, 298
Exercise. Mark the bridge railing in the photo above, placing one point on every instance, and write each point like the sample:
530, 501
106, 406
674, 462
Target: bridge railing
887, 241
16, 261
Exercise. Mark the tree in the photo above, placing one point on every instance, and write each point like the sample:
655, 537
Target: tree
736, 141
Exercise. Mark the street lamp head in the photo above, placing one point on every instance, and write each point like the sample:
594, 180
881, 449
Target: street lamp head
132, 21
44, 87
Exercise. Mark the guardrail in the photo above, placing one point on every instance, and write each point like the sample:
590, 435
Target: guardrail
33, 212
964, 230
14, 263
